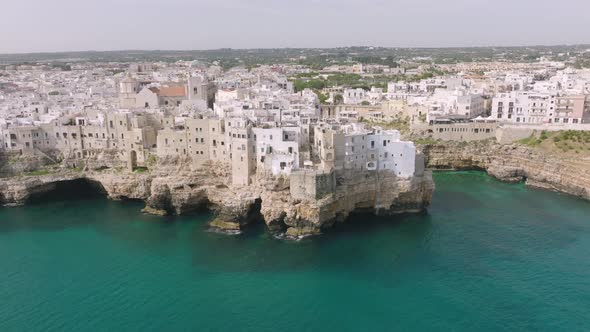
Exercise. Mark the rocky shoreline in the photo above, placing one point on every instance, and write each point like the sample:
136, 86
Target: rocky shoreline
513, 163
175, 187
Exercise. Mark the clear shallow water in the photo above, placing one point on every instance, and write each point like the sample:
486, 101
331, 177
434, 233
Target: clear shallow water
488, 256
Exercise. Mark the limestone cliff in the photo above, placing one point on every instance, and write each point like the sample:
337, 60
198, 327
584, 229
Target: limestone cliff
175, 186
515, 163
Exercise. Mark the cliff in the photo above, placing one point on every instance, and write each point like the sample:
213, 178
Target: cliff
175, 186
306, 202
553, 171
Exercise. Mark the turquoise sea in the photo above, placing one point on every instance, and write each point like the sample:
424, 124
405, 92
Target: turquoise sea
487, 256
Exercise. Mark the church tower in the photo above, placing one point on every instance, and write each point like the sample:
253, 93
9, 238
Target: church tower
200, 88
128, 89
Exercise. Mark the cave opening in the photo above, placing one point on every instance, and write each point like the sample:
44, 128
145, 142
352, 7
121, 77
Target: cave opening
69, 190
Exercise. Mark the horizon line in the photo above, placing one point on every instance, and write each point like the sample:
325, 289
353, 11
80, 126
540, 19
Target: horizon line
292, 48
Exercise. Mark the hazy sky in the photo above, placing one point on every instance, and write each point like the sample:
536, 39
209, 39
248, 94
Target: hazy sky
73, 25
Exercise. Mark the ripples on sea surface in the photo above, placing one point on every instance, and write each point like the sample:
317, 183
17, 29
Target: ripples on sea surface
487, 256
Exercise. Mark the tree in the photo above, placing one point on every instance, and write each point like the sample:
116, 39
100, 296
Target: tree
322, 97
338, 99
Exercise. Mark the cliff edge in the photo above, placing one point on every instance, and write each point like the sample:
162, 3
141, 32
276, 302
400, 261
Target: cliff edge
566, 173
302, 204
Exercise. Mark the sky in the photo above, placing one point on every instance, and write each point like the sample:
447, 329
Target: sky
81, 25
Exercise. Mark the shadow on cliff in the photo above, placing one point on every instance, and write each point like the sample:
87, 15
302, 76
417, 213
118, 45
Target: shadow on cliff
72, 190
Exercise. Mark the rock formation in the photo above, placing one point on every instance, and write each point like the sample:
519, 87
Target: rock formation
306, 202
175, 186
514, 163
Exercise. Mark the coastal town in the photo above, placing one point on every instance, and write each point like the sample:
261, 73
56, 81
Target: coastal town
269, 165
298, 145
271, 118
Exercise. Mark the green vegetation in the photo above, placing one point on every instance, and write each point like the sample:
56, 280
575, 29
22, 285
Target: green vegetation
532, 140
317, 82
322, 97
574, 140
315, 59
564, 141
307, 75
79, 168
425, 141
38, 172
348, 80
152, 160
403, 125
139, 170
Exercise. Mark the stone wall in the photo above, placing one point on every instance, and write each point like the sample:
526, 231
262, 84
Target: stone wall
311, 184
509, 135
471, 131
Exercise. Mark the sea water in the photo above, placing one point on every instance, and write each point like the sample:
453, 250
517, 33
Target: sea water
486, 256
